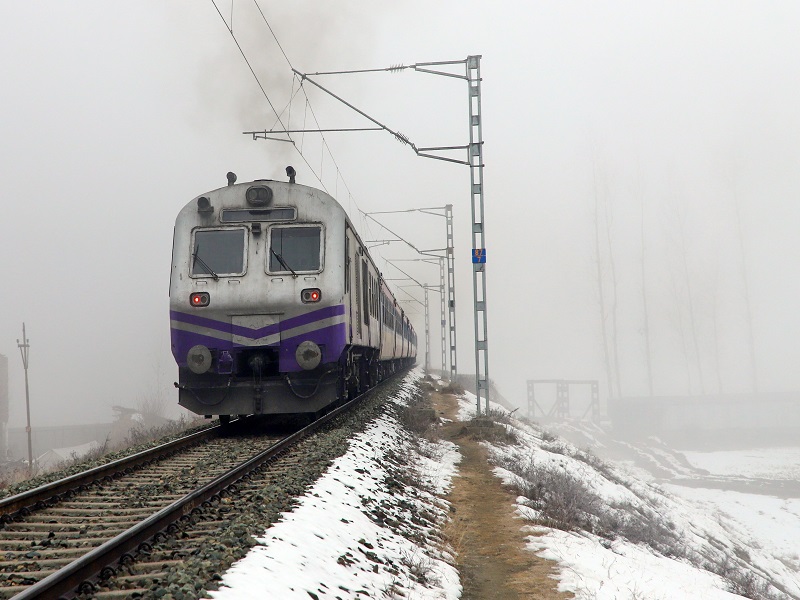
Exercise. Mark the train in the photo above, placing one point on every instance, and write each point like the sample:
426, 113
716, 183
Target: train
276, 306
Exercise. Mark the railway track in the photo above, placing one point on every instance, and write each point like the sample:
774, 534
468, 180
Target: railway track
130, 528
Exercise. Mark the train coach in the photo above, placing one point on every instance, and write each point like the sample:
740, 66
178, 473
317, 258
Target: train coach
276, 306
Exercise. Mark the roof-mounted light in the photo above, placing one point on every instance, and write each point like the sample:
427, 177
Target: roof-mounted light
204, 205
258, 195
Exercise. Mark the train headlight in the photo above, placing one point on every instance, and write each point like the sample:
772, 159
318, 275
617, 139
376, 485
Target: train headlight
198, 359
308, 355
199, 299
258, 195
311, 295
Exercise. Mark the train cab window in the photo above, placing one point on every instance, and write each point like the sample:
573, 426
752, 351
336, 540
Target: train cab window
218, 252
295, 249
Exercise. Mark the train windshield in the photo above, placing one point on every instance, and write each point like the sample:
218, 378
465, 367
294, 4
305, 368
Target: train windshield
294, 249
218, 252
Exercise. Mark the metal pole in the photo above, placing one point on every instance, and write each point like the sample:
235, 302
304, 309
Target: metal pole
451, 290
475, 153
443, 314
427, 335
24, 347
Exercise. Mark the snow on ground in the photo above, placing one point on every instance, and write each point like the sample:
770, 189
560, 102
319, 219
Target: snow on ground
652, 544
594, 568
765, 522
349, 535
354, 535
767, 463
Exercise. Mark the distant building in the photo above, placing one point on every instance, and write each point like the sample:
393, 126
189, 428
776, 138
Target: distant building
3, 408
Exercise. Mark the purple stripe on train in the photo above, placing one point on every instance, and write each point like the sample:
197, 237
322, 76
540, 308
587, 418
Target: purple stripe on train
227, 327
332, 341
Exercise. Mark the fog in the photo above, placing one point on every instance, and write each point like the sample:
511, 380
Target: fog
114, 115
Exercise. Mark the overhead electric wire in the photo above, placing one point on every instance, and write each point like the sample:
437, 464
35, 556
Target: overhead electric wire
279, 119
325, 147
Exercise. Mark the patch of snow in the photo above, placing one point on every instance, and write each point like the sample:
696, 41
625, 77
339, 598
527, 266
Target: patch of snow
696, 533
332, 544
767, 463
596, 569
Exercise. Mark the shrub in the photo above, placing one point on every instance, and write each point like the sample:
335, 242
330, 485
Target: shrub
453, 388
486, 428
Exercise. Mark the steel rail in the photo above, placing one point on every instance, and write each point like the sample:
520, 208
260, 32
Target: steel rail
87, 569
34, 498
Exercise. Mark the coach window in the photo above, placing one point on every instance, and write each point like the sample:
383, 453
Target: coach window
295, 249
218, 252
365, 281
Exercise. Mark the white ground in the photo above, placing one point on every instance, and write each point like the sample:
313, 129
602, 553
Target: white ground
713, 523
330, 546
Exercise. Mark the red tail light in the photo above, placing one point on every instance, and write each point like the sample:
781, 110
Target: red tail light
310, 295
199, 299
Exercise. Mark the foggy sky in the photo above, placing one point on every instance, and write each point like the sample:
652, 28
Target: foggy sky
116, 115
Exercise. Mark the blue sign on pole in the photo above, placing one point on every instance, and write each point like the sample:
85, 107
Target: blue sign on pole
479, 255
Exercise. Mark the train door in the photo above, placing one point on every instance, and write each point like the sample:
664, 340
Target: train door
357, 299
365, 297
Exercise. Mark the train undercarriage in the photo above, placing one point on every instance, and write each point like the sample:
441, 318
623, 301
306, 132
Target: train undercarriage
259, 391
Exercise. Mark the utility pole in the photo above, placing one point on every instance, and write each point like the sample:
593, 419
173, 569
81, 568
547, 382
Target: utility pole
24, 347
475, 153
427, 335
451, 291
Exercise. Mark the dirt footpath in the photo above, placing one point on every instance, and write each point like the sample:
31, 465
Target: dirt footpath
485, 532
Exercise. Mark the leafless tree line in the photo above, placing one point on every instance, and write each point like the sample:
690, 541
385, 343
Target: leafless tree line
691, 307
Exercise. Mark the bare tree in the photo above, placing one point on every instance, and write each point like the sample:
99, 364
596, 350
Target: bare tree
681, 245
152, 403
684, 250
677, 320
749, 313
639, 193
613, 300
600, 284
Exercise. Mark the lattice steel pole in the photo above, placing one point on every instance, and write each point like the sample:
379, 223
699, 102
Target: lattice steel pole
443, 313
427, 335
478, 232
451, 291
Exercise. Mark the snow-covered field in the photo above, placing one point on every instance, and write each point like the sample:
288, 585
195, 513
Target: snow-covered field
709, 543
767, 463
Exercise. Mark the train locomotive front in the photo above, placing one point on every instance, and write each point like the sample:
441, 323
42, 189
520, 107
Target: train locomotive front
265, 315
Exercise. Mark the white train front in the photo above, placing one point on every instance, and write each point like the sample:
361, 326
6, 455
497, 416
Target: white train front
275, 304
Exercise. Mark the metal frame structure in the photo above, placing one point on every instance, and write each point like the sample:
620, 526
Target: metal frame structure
449, 257
561, 407
474, 159
425, 287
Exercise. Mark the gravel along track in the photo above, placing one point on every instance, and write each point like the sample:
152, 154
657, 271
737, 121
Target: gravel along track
189, 560
48, 538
